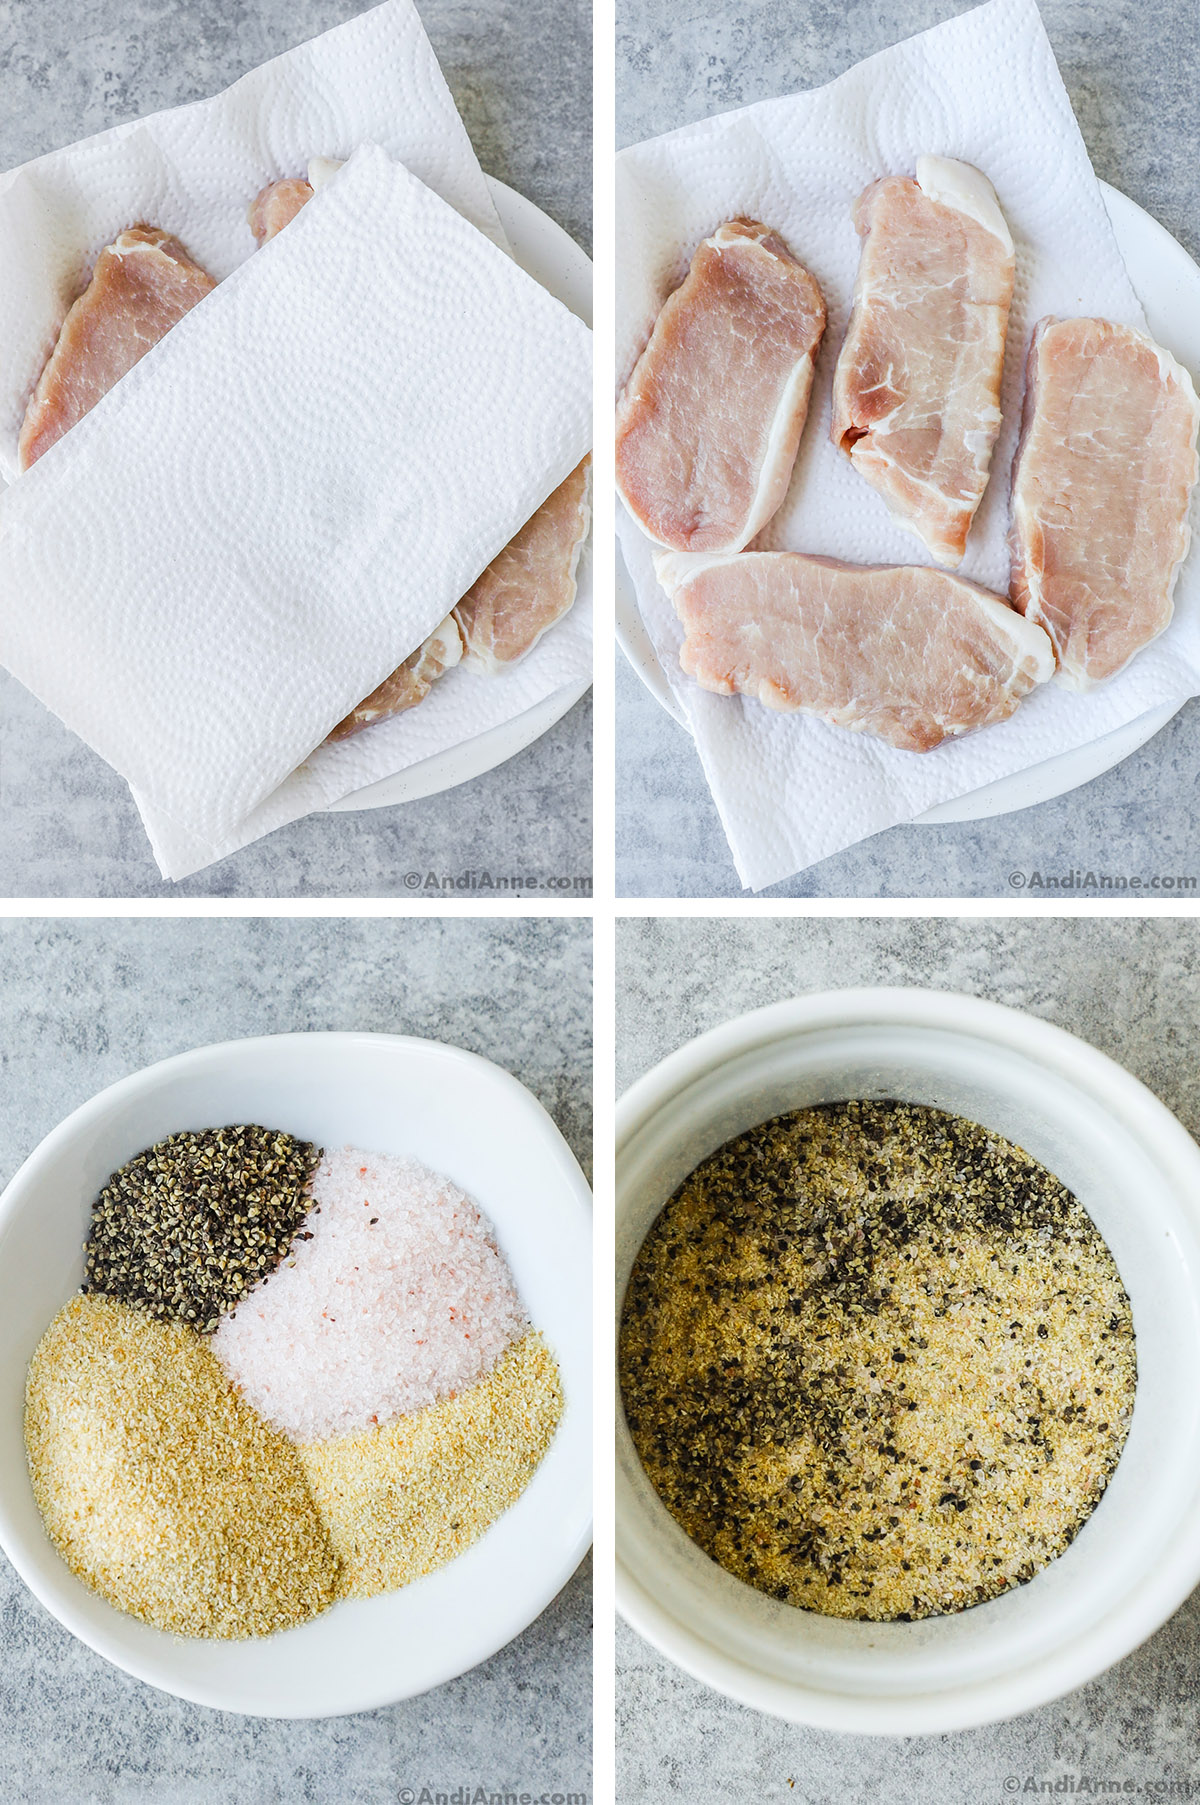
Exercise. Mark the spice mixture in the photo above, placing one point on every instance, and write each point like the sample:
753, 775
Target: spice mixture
409, 1497
187, 1227
160, 1488
877, 1361
357, 1424
394, 1296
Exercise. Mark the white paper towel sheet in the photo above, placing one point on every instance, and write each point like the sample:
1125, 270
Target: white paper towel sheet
462, 705
194, 170
255, 526
985, 88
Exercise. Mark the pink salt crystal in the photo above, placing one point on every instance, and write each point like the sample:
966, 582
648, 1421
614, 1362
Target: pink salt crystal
427, 1303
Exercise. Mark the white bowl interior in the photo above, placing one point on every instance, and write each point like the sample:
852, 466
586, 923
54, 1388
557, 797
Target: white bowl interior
1152, 1236
462, 1116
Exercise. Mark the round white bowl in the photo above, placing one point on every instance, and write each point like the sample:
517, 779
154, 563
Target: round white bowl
1135, 1169
388, 1093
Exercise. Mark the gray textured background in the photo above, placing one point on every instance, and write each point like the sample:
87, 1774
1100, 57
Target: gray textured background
1131, 988
83, 1003
520, 71
1129, 67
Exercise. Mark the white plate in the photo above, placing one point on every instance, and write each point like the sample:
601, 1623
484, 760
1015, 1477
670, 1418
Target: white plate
545, 252
392, 1093
1168, 286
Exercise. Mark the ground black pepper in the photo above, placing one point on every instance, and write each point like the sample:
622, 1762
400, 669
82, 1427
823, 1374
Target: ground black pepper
188, 1226
828, 1352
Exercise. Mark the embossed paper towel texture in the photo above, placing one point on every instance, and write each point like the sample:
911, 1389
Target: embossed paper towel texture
462, 705
194, 170
288, 493
983, 87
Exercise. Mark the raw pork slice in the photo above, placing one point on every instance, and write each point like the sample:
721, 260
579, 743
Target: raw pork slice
916, 392
910, 654
710, 421
276, 206
1101, 485
407, 685
143, 283
531, 584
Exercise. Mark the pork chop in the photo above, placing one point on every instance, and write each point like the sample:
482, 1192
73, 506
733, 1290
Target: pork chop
407, 685
916, 392
276, 206
530, 584
1101, 485
143, 283
912, 655
710, 420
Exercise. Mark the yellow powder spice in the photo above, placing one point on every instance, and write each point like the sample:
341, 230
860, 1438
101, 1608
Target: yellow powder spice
407, 1497
160, 1488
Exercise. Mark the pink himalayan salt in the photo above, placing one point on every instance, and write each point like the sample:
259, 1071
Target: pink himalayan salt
399, 1299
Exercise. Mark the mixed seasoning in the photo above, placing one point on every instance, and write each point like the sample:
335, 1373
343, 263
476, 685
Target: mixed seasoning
877, 1361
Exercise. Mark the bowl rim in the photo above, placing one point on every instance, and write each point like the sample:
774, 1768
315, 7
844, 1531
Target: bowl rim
119, 1092
1178, 1568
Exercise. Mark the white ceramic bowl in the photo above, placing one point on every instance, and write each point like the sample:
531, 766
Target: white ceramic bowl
391, 1094
1137, 1172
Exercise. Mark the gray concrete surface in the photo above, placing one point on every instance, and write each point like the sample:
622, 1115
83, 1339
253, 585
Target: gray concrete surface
1131, 988
520, 71
1128, 66
83, 1003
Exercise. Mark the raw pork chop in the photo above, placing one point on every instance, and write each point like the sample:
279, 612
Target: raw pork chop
531, 584
910, 654
710, 421
143, 283
916, 393
407, 685
276, 206
1101, 484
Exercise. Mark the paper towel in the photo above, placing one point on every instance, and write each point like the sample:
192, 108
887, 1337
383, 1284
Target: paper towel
462, 705
287, 494
985, 88
194, 170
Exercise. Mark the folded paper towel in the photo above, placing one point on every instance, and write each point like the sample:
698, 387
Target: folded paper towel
287, 494
461, 706
985, 88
